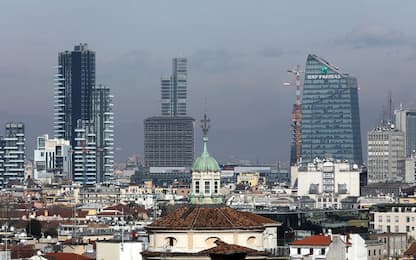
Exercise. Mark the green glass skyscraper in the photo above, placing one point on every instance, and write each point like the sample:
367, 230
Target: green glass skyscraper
330, 113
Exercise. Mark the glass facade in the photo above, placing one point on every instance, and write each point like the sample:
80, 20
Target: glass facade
174, 90
330, 113
406, 122
169, 141
74, 83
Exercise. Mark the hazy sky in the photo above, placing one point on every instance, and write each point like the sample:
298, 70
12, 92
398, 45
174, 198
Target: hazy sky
238, 53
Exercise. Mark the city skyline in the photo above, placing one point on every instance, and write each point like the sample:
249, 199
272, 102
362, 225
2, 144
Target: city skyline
240, 74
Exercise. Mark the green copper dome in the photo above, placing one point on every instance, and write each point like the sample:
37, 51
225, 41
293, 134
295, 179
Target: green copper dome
205, 162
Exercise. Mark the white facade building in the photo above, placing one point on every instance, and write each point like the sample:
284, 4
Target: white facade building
118, 250
327, 182
410, 169
386, 155
336, 247
52, 158
406, 123
395, 219
84, 156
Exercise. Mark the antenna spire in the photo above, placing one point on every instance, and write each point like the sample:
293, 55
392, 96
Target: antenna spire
205, 125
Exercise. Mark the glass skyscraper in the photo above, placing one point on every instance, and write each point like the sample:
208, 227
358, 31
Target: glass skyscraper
330, 113
83, 114
406, 122
173, 90
169, 138
73, 95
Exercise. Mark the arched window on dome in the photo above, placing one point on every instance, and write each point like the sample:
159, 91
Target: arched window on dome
210, 242
170, 242
196, 187
251, 241
207, 187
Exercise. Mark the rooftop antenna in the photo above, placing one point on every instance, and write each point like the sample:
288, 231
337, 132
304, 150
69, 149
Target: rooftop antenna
205, 125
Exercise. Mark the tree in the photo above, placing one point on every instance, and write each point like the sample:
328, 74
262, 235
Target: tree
34, 228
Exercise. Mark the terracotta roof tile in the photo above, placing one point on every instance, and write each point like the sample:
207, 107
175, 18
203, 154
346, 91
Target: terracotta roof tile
68, 256
210, 217
411, 251
317, 240
224, 248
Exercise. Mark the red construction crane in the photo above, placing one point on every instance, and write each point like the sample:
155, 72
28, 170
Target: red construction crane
296, 118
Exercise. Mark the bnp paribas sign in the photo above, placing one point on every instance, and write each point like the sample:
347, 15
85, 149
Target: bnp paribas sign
324, 75
328, 76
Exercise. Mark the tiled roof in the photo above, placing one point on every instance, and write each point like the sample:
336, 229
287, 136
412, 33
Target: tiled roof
411, 251
210, 217
20, 251
226, 249
317, 240
68, 256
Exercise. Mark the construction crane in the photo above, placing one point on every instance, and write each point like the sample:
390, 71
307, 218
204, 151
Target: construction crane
296, 118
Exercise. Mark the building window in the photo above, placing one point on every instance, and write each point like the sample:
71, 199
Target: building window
407, 219
216, 187
311, 251
207, 188
210, 242
396, 219
369, 252
322, 251
196, 187
299, 251
380, 218
251, 241
388, 218
170, 242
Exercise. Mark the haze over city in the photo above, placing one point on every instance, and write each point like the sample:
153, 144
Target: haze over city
238, 54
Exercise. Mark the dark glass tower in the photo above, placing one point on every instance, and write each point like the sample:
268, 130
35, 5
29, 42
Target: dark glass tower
330, 113
73, 95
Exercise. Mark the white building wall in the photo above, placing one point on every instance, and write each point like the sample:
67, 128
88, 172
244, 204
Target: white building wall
410, 170
341, 175
119, 251
358, 249
195, 241
45, 157
403, 222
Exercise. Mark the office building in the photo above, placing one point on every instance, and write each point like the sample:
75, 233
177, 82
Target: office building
406, 122
410, 169
74, 83
174, 90
80, 103
386, 155
52, 159
104, 128
84, 153
168, 141
13, 153
330, 113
